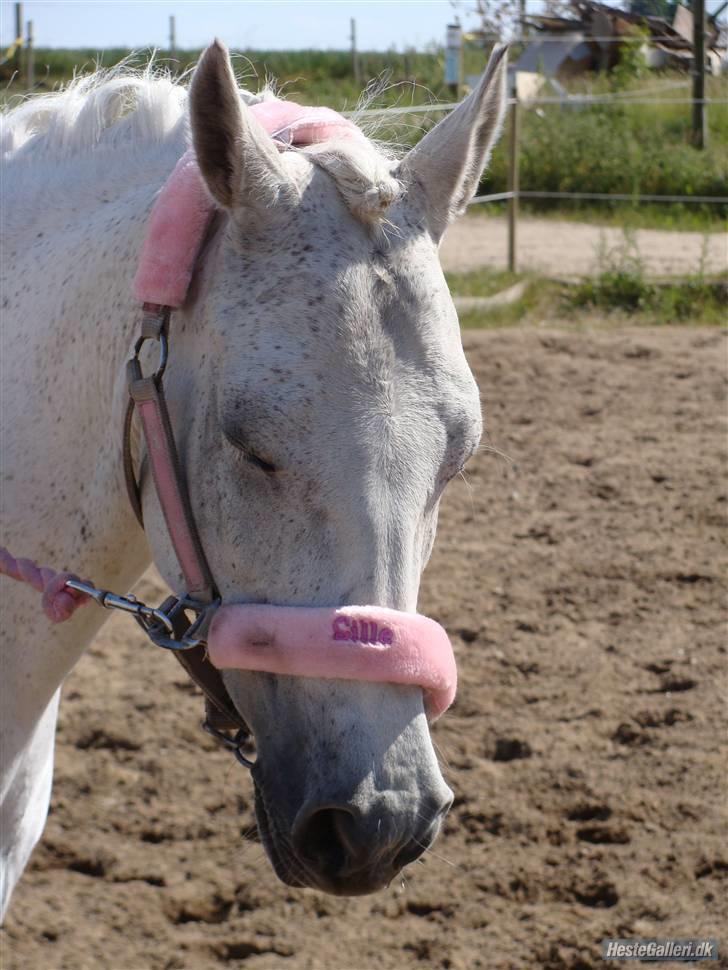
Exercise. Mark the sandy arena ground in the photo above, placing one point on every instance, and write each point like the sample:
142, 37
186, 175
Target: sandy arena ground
570, 249
582, 583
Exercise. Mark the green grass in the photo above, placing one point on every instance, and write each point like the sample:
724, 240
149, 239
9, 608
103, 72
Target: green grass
625, 292
537, 304
625, 215
485, 282
325, 74
607, 148
319, 77
538, 300
619, 291
621, 148
618, 294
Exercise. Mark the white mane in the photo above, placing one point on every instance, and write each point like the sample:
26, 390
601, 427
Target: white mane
116, 106
126, 108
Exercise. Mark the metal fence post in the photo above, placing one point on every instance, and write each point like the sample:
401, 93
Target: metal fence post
513, 147
454, 58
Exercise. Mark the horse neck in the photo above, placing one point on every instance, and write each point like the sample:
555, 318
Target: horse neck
79, 246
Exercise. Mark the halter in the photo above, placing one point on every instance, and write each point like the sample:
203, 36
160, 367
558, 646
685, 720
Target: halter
179, 221
349, 643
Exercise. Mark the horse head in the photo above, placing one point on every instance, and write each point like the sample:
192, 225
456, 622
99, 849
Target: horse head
322, 402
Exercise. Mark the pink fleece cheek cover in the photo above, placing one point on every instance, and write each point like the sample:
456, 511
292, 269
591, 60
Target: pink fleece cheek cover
369, 643
179, 220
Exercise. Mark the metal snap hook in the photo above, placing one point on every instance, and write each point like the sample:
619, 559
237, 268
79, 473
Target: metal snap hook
127, 604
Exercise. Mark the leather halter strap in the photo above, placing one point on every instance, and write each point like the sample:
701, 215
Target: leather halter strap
179, 220
146, 395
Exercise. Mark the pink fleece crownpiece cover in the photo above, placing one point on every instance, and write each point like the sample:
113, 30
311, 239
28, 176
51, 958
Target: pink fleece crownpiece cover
177, 226
368, 643
183, 208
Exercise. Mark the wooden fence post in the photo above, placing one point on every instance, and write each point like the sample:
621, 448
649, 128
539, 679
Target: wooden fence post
699, 127
19, 38
30, 57
355, 66
513, 147
173, 44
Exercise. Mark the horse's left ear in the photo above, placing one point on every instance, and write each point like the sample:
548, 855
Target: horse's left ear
237, 157
446, 165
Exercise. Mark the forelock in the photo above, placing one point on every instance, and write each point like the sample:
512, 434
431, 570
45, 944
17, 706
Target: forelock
363, 174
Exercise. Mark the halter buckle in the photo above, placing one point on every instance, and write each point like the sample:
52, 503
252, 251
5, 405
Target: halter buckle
154, 326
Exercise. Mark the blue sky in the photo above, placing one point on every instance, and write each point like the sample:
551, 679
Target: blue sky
269, 24
262, 24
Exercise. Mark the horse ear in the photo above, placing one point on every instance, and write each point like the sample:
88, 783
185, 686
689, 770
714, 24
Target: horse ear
447, 163
237, 157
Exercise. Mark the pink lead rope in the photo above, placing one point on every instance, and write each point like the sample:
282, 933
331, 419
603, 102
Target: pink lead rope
59, 601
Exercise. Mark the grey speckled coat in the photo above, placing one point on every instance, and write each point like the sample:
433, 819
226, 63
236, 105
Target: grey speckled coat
321, 402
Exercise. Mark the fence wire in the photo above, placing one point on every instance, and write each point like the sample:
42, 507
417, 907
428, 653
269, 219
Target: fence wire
600, 197
616, 98
620, 98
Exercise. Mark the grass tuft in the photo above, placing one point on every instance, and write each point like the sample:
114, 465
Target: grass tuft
621, 286
619, 292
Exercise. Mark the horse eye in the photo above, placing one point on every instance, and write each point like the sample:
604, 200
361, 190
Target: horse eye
259, 462
248, 454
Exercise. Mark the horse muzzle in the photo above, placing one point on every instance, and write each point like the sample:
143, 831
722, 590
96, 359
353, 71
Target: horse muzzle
346, 849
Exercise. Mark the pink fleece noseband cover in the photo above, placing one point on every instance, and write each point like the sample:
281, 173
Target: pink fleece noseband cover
368, 643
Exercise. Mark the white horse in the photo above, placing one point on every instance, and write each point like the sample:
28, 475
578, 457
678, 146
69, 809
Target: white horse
321, 402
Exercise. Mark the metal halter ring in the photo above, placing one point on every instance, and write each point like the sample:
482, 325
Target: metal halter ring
184, 635
154, 327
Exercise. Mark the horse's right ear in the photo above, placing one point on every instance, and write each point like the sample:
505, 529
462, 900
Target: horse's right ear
237, 157
444, 169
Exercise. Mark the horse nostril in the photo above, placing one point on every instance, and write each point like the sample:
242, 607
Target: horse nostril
413, 850
327, 838
416, 847
351, 850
